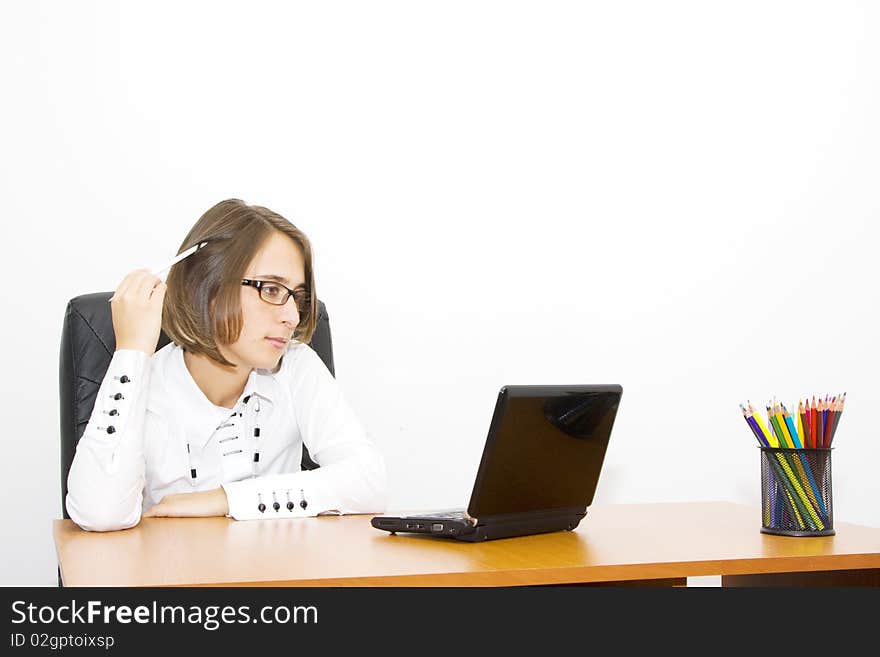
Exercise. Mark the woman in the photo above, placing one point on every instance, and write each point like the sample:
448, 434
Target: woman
213, 423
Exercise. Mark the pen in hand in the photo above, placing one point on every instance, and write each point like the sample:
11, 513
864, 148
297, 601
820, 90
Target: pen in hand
178, 258
136, 306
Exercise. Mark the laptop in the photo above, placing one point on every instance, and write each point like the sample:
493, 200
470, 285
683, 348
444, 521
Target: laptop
539, 469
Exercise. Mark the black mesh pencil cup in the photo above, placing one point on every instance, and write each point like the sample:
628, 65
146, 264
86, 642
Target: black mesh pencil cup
796, 492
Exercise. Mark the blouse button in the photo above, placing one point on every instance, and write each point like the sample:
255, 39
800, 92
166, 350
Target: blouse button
111, 429
276, 506
261, 507
117, 396
113, 412
290, 506
124, 379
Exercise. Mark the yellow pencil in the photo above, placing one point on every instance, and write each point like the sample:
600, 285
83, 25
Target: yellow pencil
804, 498
793, 507
800, 425
806, 478
777, 421
775, 414
780, 420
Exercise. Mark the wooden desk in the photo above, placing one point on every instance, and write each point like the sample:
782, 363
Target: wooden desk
645, 544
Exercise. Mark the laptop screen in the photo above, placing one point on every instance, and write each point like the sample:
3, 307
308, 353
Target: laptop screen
545, 448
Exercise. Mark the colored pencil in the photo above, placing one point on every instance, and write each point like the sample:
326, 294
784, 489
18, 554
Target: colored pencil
814, 428
784, 477
823, 418
754, 427
832, 407
777, 430
802, 466
839, 413
770, 441
780, 421
800, 427
789, 464
804, 414
793, 434
762, 440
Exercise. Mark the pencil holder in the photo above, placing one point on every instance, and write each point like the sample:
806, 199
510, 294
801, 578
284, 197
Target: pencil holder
796, 492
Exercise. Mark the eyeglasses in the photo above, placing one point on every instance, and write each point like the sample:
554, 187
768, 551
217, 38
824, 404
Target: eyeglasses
278, 294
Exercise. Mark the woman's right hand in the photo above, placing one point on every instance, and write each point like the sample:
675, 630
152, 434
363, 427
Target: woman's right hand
136, 306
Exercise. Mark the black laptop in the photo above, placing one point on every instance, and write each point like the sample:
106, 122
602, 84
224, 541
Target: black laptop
539, 469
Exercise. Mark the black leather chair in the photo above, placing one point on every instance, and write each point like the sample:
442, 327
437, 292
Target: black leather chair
87, 345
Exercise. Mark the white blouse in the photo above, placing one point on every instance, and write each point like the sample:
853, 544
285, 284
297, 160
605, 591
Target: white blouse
153, 432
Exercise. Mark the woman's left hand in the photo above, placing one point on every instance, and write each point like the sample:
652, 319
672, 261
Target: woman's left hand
191, 505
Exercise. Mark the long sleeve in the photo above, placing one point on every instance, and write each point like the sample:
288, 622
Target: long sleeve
351, 477
106, 479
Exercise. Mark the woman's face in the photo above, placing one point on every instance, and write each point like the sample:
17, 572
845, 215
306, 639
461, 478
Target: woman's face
279, 260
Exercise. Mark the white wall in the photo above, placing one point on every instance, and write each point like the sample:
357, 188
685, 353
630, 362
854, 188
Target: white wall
679, 197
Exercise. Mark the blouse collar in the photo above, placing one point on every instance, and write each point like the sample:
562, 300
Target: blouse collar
175, 394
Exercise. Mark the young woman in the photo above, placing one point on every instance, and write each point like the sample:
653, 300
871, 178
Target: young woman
213, 423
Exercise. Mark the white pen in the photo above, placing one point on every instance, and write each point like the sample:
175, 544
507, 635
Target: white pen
178, 258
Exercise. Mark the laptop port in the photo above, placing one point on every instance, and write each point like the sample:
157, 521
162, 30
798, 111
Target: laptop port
414, 525
437, 527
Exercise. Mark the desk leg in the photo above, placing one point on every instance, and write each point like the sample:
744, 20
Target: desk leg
866, 577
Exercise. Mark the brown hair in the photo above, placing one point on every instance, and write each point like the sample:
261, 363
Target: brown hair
203, 301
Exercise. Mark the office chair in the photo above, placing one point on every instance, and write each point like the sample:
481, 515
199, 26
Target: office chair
87, 345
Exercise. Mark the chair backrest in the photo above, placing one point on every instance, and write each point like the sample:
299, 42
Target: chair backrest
87, 345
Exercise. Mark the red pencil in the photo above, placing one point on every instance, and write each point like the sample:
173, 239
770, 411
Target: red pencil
812, 424
805, 424
814, 429
807, 428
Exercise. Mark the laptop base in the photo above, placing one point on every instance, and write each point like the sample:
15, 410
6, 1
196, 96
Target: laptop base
463, 531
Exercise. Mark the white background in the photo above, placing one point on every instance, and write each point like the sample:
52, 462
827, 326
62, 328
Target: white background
680, 197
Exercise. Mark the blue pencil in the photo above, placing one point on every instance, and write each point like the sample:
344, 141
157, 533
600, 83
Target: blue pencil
807, 471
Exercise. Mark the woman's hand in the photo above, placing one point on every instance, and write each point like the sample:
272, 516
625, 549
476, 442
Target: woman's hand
136, 306
191, 505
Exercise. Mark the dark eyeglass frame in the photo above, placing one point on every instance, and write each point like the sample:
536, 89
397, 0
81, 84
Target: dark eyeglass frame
300, 295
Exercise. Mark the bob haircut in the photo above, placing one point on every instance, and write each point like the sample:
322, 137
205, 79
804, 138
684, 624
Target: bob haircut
203, 297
